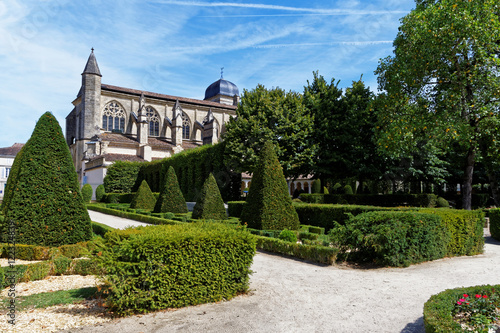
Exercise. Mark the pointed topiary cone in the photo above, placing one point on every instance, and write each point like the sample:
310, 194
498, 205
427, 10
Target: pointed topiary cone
210, 205
268, 205
171, 198
44, 200
143, 198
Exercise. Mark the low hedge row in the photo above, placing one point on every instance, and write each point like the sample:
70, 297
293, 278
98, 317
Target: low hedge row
494, 215
382, 200
438, 309
101, 229
122, 197
315, 253
38, 271
35, 252
152, 268
133, 216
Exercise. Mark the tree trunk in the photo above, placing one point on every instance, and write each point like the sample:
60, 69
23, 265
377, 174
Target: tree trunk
467, 181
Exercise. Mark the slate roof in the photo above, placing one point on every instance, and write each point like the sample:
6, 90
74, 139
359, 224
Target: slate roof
222, 87
92, 67
12, 150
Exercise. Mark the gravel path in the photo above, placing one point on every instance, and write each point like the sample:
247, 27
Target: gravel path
113, 221
290, 295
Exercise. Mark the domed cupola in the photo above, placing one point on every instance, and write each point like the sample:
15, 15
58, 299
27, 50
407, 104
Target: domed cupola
223, 91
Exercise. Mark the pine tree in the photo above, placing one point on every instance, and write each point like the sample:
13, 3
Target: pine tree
44, 199
210, 205
269, 206
171, 198
143, 198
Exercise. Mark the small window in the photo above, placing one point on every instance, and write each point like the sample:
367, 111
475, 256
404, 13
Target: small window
186, 126
7, 172
153, 121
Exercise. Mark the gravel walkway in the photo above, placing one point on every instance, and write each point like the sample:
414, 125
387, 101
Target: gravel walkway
290, 295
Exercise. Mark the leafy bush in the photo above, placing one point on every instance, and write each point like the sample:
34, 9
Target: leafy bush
268, 204
288, 236
171, 198
210, 204
188, 265
325, 190
385, 200
121, 177
61, 264
438, 310
442, 202
308, 235
101, 229
44, 200
336, 188
87, 193
348, 190
392, 238
316, 186
143, 198
99, 192
234, 208
133, 216
495, 223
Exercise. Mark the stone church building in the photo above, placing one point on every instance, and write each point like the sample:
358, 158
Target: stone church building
110, 123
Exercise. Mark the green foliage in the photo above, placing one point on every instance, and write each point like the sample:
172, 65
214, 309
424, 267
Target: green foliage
315, 253
87, 193
444, 92
143, 198
288, 236
210, 204
45, 204
121, 177
383, 200
192, 168
234, 208
392, 238
271, 115
336, 188
99, 192
171, 198
495, 223
183, 265
11, 181
316, 186
325, 190
101, 229
268, 204
348, 190
438, 310
442, 202
133, 216
308, 235
61, 264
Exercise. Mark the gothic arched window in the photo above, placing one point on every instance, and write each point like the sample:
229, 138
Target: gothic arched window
186, 126
153, 121
113, 117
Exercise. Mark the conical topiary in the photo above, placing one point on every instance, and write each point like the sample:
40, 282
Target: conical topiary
268, 205
143, 198
44, 201
316, 186
171, 198
210, 205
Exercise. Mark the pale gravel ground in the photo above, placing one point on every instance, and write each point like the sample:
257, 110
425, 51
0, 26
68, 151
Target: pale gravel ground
293, 296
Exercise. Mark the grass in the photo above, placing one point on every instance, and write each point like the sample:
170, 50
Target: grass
47, 299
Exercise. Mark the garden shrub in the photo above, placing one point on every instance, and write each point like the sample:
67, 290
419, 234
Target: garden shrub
121, 177
288, 236
383, 200
188, 265
85, 267
316, 186
438, 310
308, 235
336, 188
143, 198
61, 264
11, 181
495, 223
348, 190
234, 208
210, 204
133, 216
395, 238
101, 229
442, 202
99, 192
37, 271
87, 193
325, 190
268, 204
171, 198
45, 201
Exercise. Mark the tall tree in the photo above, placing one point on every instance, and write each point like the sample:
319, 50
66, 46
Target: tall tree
271, 115
442, 83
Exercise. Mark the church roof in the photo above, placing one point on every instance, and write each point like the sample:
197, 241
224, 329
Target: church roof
12, 150
221, 87
92, 67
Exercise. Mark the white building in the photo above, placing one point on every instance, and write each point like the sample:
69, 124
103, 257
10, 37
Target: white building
7, 156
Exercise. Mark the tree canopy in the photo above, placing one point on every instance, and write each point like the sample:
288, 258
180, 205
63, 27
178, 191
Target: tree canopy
442, 83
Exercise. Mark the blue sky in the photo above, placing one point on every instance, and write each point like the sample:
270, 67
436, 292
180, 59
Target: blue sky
179, 47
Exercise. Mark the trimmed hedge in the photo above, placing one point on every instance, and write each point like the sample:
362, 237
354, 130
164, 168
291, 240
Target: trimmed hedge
99, 192
268, 205
133, 216
101, 229
171, 198
36, 252
87, 193
210, 204
44, 200
121, 177
381, 200
495, 223
395, 238
315, 253
143, 198
161, 267
438, 309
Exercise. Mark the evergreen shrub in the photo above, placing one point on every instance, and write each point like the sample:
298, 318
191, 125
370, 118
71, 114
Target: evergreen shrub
143, 198
396, 238
495, 223
44, 199
171, 198
336, 188
234, 208
268, 205
101, 229
288, 236
121, 177
184, 265
316, 186
210, 204
99, 193
348, 190
87, 193
442, 202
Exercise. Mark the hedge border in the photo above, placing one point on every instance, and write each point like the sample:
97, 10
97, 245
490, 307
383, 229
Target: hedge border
133, 216
494, 215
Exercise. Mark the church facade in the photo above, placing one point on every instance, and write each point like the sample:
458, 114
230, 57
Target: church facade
110, 123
